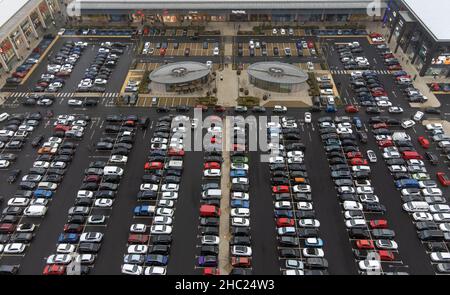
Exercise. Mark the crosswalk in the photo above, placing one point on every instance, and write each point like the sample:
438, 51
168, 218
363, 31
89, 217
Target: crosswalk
64, 94
346, 72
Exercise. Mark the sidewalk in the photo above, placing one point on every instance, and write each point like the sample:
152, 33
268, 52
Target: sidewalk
420, 82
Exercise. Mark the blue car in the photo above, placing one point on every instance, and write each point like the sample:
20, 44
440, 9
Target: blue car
42, 193
68, 238
240, 204
314, 242
156, 259
400, 73
283, 213
331, 108
144, 210
238, 173
357, 122
407, 183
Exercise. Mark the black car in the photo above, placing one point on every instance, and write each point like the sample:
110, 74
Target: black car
209, 250
89, 247
359, 233
434, 160
161, 239
289, 253
241, 240
209, 230
37, 141
209, 221
9, 269
13, 175
162, 109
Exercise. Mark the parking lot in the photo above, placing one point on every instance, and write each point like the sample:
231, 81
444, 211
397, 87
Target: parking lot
301, 213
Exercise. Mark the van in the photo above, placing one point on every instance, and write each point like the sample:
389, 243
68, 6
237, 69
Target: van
407, 183
411, 156
416, 207
212, 194
209, 211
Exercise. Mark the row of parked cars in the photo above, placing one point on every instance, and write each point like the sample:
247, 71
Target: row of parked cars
372, 240
149, 240
421, 196
300, 247
79, 242
369, 90
97, 74
30, 62
211, 194
13, 135
37, 188
390, 61
351, 56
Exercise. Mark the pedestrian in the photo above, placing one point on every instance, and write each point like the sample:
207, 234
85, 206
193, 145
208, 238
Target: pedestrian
415, 77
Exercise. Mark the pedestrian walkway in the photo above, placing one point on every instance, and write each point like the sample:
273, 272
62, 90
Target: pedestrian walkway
346, 72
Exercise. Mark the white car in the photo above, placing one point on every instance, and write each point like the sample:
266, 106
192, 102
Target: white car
422, 216
103, 203
369, 265
35, 211
395, 110
274, 31
432, 192
358, 222
100, 81
309, 223
441, 217
4, 163
239, 180
75, 102
93, 237
65, 248
84, 194
440, 256
112, 170
306, 206
308, 117
160, 229
386, 244
14, 248
210, 240
131, 269
20, 202
155, 270
212, 173
241, 251
138, 228
434, 126
170, 187
137, 249
292, 154
166, 203
26, 227
352, 205
216, 51
163, 220
240, 222
59, 259
279, 109
118, 159
164, 212
408, 124
344, 130
313, 252
283, 205
169, 195
240, 212
440, 208
240, 196
149, 187
301, 188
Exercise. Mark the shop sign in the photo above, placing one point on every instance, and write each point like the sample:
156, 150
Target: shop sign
238, 12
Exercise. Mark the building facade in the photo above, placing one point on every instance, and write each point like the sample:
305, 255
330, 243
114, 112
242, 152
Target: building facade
426, 42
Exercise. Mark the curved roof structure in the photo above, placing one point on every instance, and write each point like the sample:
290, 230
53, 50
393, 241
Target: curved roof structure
179, 72
277, 72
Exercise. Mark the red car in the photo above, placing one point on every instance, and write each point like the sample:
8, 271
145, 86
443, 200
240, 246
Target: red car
425, 143
385, 143
73, 228
358, 161
365, 244
129, 123
92, 178
280, 189
19, 74
284, 221
378, 223
211, 271
310, 44
379, 125
379, 93
386, 255
219, 109
435, 87
443, 178
62, 128
138, 239
153, 166
162, 51
351, 109
375, 35
211, 165
395, 68
54, 269
388, 55
203, 107
241, 261
351, 155
7, 228
175, 152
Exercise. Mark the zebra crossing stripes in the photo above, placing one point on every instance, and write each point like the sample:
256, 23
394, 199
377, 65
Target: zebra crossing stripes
347, 72
111, 94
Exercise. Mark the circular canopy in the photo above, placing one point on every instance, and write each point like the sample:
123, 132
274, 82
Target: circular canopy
179, 72
277, 72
